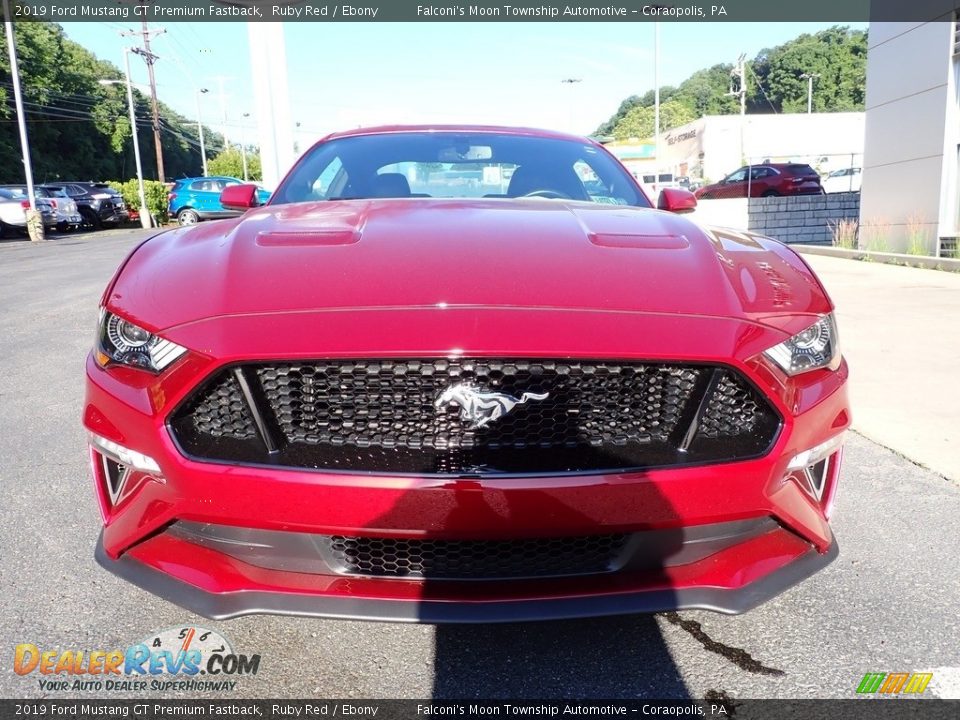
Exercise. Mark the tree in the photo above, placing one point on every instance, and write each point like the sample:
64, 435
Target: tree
640, 122
78, 128
229, 163
774, 83
838, 55
706, 92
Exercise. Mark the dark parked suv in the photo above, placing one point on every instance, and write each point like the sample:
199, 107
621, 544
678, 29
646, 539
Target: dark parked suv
98, 203
765, 180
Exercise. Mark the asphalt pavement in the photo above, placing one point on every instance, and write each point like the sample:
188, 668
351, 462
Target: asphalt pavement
888, 604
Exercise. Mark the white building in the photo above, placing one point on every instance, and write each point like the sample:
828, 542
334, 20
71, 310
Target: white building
715, 145
909, 200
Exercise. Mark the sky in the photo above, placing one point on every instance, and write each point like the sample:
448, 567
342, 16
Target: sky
344, 75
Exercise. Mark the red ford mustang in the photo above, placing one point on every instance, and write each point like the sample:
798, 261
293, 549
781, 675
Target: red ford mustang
464, 374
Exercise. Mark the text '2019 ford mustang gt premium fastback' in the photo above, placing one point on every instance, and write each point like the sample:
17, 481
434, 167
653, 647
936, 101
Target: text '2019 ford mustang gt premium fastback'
464, 374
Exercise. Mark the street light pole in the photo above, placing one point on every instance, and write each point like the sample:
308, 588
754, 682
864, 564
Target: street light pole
656, 103
145, 219
18, 100
243, 146
809, 78
203, 148
571, 82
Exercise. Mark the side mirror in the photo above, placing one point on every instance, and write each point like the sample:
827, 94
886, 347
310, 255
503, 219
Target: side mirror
239, 197
677, 200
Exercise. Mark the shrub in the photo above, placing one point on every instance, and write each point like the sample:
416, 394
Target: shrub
154, 190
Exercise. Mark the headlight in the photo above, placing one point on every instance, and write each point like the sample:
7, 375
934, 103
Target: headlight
122, 342
811, 349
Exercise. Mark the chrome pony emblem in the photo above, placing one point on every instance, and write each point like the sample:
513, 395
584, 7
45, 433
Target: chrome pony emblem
482, 408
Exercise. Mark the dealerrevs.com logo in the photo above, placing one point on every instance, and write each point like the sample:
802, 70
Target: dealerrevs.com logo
178, 659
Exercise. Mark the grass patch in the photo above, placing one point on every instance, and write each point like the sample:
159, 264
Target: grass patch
844, 233
916, 236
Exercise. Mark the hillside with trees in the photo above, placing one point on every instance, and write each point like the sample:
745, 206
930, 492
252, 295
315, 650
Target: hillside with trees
78, 128
774, 84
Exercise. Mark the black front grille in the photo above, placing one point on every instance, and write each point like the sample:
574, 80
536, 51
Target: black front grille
477, 559
383, 416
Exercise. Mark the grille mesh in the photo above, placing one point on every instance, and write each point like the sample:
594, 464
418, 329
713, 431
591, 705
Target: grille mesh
383, 416
732, 409
392, 404
222, 412
477, 559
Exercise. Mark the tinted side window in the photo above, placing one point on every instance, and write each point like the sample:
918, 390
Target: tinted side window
330, 182
739, 176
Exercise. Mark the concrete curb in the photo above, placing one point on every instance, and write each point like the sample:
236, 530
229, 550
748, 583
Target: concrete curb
920, 261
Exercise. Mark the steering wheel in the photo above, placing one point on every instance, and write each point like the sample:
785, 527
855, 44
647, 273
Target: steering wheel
549, 194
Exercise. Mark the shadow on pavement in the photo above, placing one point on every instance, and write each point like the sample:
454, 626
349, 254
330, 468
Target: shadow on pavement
614, 657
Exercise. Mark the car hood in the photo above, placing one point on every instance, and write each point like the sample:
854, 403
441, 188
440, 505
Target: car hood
415, 253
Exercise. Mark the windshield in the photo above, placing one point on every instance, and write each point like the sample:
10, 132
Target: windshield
459, 165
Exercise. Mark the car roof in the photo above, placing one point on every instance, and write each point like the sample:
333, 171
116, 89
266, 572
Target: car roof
207, 177
493, 129
781, 165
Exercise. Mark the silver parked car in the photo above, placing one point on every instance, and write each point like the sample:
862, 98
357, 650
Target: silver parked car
13, 210
68, 214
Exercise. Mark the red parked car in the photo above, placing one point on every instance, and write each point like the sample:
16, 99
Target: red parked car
767, 180
457, 374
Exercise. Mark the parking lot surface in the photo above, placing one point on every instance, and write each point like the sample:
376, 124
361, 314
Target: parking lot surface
889, 603
898, 329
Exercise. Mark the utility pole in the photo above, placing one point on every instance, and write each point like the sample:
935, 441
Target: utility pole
809, 78
150, 58
739, 89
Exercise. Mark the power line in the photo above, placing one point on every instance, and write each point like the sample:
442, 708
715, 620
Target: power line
760, 85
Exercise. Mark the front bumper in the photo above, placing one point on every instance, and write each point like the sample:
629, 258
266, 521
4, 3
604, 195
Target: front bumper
788, 535
654, 597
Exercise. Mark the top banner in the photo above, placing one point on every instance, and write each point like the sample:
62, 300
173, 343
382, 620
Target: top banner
320, 11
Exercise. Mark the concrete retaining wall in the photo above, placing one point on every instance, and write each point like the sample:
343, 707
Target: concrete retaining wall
804, 219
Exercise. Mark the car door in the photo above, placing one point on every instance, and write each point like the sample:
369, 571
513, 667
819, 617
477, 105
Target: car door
201, 195
733, 185
762, 181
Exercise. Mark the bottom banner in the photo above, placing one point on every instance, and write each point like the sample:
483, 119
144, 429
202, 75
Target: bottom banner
872, 709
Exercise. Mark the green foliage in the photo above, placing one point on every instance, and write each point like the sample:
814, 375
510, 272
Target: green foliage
838, 55
78, 128
229, 163
154, 191
640, 121
774, 83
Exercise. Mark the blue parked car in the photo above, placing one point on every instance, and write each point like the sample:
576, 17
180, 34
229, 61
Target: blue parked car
194, 199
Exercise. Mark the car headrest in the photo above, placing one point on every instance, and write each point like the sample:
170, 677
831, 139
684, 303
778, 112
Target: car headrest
391, 185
